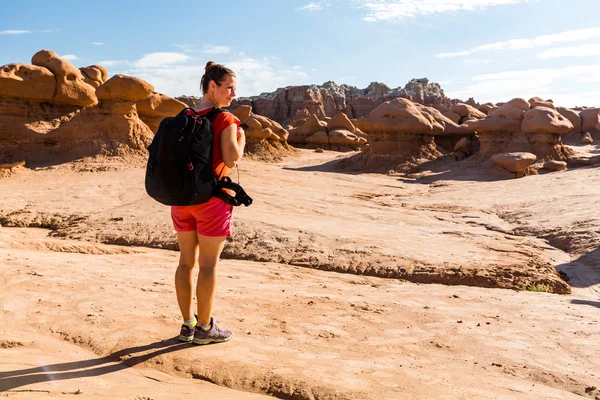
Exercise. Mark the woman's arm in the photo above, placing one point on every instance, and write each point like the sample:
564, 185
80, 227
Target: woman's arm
233, 141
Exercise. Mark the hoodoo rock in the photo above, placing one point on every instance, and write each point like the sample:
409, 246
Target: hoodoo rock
156, 107
71, 88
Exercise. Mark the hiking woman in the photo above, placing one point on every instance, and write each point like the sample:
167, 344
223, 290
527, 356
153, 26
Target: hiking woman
202, 229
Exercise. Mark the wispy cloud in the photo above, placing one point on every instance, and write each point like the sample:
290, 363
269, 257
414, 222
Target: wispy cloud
397, 10
154, 60
314, 6
13, 32
112, 63
543, 82
535, 42
186, 47
211, 49
98, 43
70, 57
50, 30
476, 62
586, 50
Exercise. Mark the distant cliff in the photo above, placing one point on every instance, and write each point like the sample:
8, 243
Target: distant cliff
290, 103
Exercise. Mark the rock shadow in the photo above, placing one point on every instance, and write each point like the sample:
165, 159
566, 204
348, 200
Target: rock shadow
584, 272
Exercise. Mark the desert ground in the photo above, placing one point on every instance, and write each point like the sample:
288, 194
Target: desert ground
447, 283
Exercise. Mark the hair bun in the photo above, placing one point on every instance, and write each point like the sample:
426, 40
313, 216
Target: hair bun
209, 65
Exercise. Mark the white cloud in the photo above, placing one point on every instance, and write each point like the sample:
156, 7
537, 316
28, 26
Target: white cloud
70, 57
397, 10
476, 62
538, 41
315, 6
568, 86
14, 32
154, 60
112, 63
50, 30
254, 76
98, 43
586, 50
186, 47
210, 49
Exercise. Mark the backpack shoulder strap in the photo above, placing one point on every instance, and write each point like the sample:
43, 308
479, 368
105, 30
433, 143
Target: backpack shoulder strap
214, 113
185, 110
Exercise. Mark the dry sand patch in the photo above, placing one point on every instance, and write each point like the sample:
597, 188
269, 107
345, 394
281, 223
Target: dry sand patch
298, 332
445, 231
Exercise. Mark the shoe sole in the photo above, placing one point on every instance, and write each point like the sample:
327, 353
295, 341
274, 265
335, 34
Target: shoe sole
208, 341
185, 338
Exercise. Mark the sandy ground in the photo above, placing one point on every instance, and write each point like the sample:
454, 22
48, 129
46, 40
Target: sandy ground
81, 316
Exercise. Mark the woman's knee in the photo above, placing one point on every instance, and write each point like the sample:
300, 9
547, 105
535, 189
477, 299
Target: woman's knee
185, 266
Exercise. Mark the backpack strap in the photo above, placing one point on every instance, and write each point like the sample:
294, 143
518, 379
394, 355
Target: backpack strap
241, 197
214, 113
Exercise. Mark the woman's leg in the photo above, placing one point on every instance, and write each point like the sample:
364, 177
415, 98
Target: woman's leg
210, 251
188, 256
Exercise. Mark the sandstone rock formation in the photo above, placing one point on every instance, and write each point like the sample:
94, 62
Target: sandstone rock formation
337, 133
28, 82
400, 133
515, 127
587, 138
265, 139
49, 114
94, 75
515, 162
156, 107
71, 88
590, 118
329, 99
573, 116
554, 165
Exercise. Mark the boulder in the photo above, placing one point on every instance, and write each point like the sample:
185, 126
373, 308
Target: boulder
485, 108
124, 87
516, 162
94, 75
28, 82
454, 117
340, 121
587, 139
159, 105
545, 120
554, 165
307, 129
345, 137
467, 112
156, 107
71, 87
573, 117
396, 116
242, 112
507, 118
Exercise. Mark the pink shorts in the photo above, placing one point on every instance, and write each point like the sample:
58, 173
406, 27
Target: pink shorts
212, 218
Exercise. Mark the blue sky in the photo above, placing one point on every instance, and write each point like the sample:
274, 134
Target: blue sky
492, 50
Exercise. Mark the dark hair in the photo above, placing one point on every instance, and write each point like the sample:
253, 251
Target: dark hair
214, 72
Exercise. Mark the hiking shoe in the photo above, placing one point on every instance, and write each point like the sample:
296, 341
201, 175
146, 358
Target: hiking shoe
213, 335
186, 334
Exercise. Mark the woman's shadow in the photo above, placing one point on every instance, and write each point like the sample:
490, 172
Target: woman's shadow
114, 362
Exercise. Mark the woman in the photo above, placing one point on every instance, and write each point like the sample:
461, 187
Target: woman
202, 229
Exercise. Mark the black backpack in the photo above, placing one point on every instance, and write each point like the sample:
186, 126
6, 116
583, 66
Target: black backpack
179, 169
